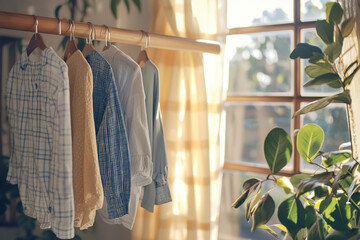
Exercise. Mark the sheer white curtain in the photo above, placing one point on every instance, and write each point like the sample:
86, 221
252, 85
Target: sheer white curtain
191, 103
351, 52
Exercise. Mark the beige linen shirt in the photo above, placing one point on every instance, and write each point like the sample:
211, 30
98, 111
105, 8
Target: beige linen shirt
88, 189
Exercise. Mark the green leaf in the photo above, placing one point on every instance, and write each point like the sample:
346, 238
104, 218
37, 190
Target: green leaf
348, 80
127, 6
315, 70
347, 26
310, 216
333, 51
339, 38
309, 141
304, 50
334, 12
319, 104
285, 183
138, 4
318, 180
57, 10
354, 188
291, 214
269, 230
345, 235
321, 191
317, 58
350, 66
113, 6
325, 31
249, 183
296, 179
336, 212
332, 158
331, 79
241, 199
263, 212
316, 231
277, 149
250, 205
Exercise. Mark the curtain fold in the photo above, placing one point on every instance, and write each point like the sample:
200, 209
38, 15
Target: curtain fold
351, 53
190, 101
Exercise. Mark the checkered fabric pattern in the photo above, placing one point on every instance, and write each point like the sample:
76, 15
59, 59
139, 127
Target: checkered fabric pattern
38, 108
111, 137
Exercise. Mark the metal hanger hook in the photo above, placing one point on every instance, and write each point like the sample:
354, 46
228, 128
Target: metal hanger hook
73, 30
88, 40
59, 25
147, 38
107, 35
36, 24
92, 34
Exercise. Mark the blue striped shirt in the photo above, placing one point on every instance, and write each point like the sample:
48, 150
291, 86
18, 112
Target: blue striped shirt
38, 108
111, 137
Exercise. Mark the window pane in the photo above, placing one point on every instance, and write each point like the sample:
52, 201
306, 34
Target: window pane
333, 120
309, 36
232, 222
312, 10
244, 13
259, 64
247, 125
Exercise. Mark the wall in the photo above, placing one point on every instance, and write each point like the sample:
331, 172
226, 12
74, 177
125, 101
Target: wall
100, 15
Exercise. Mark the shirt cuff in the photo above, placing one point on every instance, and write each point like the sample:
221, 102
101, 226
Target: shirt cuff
141, 170
162, 194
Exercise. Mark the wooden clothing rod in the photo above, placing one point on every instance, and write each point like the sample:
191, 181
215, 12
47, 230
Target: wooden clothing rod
25, 22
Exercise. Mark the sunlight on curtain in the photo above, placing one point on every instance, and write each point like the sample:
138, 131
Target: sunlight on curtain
351, 50
191, 100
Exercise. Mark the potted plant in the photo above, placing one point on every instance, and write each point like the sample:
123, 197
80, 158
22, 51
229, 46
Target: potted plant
325, 204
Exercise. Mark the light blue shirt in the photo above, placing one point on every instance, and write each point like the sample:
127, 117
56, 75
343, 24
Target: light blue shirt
38, 108
158, 192
111, 138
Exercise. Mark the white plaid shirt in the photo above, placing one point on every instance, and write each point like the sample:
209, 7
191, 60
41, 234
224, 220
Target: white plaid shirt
38, 108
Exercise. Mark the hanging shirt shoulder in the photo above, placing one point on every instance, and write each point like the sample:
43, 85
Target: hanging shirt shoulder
111, 138
38, 108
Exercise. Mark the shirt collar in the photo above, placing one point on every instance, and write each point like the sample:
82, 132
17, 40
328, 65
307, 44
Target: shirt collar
25, 61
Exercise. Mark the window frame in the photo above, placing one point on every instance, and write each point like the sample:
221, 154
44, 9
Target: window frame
296, 99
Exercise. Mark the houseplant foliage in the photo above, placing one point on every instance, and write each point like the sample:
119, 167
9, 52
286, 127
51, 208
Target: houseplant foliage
79, 9
325, 204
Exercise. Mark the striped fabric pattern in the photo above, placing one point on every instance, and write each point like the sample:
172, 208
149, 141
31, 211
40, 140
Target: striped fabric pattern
111, 138
38, 108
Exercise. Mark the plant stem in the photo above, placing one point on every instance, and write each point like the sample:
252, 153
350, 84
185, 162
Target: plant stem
351, 201
319, 166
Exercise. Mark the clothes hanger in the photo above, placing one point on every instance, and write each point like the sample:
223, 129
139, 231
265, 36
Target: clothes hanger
143, 57
89, 47
71, 45
107, 38
36, 41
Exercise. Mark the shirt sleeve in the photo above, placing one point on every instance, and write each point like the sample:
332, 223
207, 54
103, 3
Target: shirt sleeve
93, 194
61, 191
158, 192
139, 143
114, 157
162, 190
